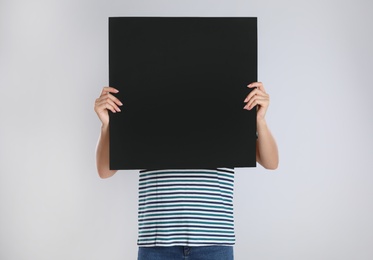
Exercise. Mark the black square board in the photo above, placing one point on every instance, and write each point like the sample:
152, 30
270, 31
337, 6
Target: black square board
182, 82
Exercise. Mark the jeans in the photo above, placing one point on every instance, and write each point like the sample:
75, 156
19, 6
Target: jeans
186, 253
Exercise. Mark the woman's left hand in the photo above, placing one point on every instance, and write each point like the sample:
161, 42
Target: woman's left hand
257, 96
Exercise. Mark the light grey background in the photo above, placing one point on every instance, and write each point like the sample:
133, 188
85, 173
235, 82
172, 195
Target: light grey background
315, 59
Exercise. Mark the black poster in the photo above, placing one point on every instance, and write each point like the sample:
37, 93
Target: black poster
182, 82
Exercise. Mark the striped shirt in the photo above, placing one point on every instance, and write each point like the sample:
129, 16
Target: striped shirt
186, 207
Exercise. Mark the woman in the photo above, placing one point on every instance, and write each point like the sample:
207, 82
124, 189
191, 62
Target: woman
191, 213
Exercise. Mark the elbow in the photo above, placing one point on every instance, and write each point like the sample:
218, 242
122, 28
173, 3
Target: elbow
271, 167
270, 164
105, 173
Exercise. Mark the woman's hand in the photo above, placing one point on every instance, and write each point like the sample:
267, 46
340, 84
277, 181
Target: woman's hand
266, 147
106, 102
259, 97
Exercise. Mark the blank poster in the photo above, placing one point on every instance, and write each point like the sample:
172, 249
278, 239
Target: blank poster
182, 82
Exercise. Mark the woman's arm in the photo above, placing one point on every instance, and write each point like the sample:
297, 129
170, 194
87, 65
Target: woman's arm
102, 154
105, 102
266, 147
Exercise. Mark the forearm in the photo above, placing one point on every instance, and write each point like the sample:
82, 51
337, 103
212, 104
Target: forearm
267, 152
102, 154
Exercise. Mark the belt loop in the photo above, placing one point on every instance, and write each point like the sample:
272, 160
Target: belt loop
186, 250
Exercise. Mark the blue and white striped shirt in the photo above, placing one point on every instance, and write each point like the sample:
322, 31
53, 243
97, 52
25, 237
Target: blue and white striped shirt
186, 207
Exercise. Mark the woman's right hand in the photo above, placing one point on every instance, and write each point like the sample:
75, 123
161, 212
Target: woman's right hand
106, 102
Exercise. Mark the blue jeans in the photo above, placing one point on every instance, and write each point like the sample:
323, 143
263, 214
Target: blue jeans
186, 253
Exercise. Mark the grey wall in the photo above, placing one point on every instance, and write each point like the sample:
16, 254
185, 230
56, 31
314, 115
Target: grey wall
315, 59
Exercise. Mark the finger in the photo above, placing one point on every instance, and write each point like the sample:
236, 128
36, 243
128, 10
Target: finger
253, 104
255, 101
261, 103
110, 102
261, 93
256, 92
110, 107
109, 96
250, 96
99, 108
108, 89
113, 98
258, 85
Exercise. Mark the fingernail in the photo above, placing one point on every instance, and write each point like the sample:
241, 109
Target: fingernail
121, 103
